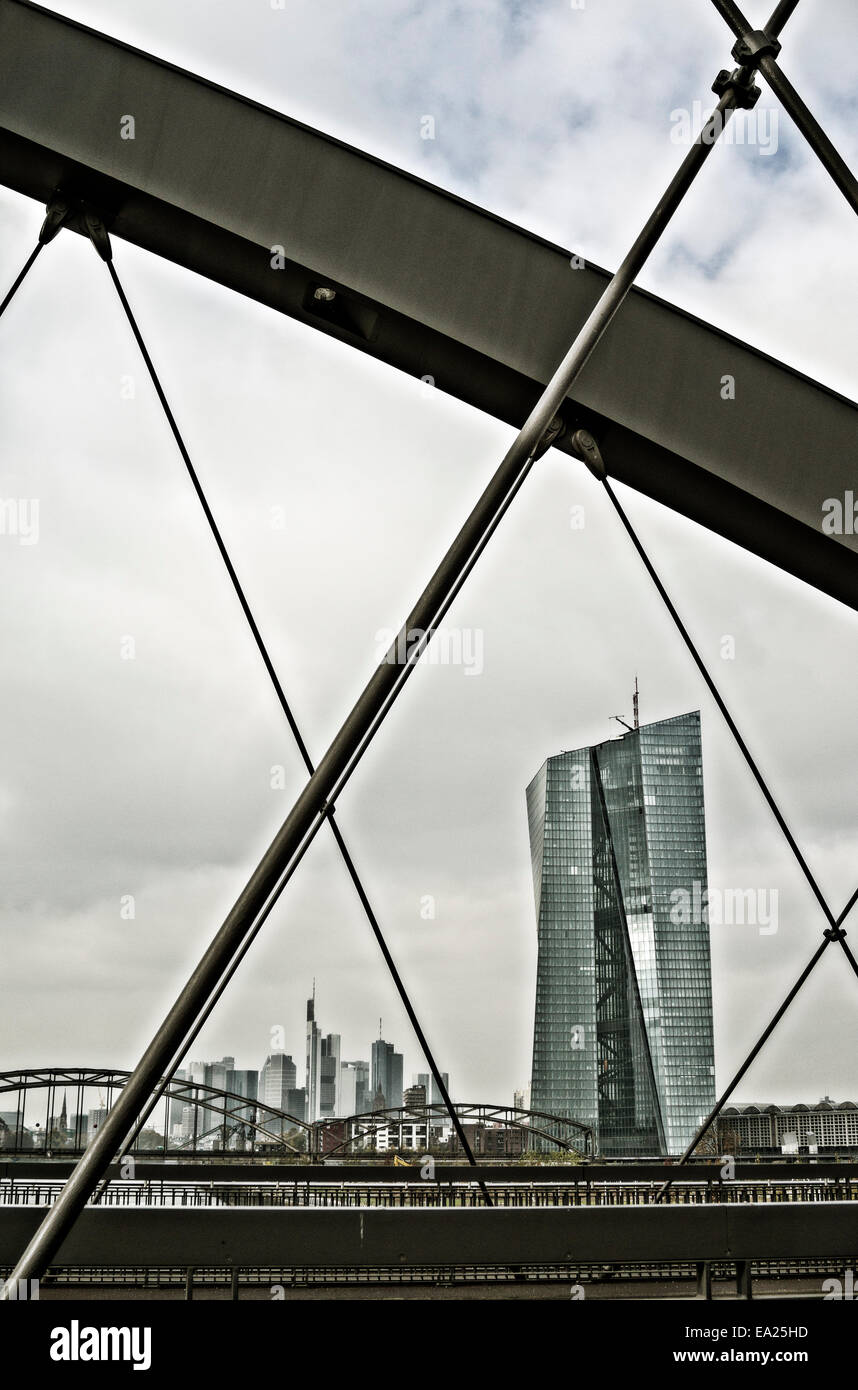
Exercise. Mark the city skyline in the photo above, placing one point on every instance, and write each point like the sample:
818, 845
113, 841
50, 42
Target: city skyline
324, 1085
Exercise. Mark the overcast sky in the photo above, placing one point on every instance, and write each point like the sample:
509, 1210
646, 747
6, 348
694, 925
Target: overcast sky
151, 777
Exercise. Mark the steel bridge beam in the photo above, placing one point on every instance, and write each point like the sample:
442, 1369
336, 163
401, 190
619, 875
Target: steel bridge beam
427, 283
316, 1238
150, 1167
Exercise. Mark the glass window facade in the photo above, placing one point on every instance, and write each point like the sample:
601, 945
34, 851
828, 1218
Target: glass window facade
622, 1036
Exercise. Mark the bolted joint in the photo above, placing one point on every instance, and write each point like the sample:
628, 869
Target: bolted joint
554, 430
751, 47
97, 233
834, 934
58, 212
746, 93
69, 210
587, 449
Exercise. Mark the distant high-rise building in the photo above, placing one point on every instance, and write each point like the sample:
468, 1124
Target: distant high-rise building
414, 1096
177, 1108
623, 1026
243, 1083
95, 1120
521, 1099
314, 1061
363, 1095
329, 1076
387, 1073
354, 1096
277, 1088
430, 1085
277, 1079
214, 1075
296, 1103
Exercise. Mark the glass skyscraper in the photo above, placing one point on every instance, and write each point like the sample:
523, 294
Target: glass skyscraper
622, 1037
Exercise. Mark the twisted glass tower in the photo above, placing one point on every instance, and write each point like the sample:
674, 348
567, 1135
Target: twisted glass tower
622, 1037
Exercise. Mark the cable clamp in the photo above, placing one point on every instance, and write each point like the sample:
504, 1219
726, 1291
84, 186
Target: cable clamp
554, 430
834, 934
751, 47
587, 450
747, 93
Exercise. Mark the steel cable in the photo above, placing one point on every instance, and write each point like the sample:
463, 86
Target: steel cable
290, 718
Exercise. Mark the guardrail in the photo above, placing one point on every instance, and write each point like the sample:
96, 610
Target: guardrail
322, 1193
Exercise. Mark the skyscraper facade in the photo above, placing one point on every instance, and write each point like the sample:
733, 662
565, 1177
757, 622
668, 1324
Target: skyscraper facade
354, 1095
276, 1080
314, 1062
387, 1073
242, 1082
430, 1085
623, 1024
329, 1077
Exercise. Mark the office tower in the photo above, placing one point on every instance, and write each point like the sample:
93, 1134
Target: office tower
243, 1083
329, 1076
430, 1085
188, 1121
314, 1059
276, 1080
623, 1024
196, 1120
354, 1096
296, 1103
175, 1127
363, 1094
214, 1075
414, 1096
387, 1073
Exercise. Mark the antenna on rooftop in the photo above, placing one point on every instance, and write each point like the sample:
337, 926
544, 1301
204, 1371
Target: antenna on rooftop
635, 706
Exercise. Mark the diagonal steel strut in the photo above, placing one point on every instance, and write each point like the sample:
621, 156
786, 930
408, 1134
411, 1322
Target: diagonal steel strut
766, 62
299, 740
834, 931
313, 801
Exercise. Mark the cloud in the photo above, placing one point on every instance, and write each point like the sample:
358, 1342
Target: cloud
151, 776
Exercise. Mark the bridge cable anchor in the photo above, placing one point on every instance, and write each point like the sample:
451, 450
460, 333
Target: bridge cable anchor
589, 452
58, 211
97, 232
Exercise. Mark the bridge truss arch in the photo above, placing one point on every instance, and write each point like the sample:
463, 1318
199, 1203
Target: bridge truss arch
415, 1126
219, 1119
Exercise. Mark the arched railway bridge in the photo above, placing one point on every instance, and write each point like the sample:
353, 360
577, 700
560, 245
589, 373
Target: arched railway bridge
54, 1111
